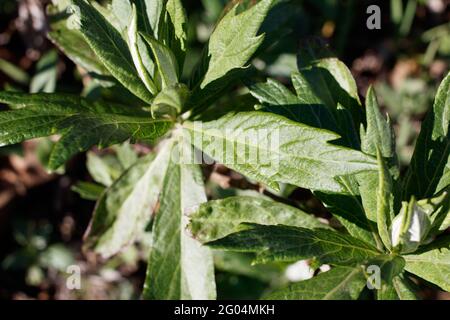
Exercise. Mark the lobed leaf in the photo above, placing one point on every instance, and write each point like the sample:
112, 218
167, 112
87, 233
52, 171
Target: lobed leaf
80, 122
282, 243
234, 40
272, 149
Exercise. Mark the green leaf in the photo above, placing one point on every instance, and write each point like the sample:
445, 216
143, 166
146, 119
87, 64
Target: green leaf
282, 243
80, 122
438, 211
46, 73
432, 263
123, 11
150, 13
124, 209
272, 149
340, 283
173, 30
304, 108
104, 170
429, 172
332, 82
385, 212
179, 267
379, 132
133, 40
404, 288
70, 40
88, 190
347, 208
400, 289
170, 101
165, 60
216, 219
110, 47
125, 154
14, 72
241, 264
390, 266
228, 49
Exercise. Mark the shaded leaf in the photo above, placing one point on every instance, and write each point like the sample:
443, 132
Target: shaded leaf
70, 40
165, 61
282, 243
80, 122
124, 210
340, 283
110, 47
429, 172
216, 219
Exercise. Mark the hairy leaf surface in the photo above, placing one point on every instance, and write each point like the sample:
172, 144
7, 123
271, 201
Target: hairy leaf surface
80, 122
282, 243
272, 149
216, 219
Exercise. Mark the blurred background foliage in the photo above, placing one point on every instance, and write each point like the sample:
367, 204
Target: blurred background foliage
43, 216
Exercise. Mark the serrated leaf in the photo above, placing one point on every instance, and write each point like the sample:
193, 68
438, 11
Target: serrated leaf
282, 243
432, 263
216, 219
124, 209
304, 108
179, 267
70, 40
110, 47
340, 283
429, 172
80, 122
227, 49
272, 149
332, 82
